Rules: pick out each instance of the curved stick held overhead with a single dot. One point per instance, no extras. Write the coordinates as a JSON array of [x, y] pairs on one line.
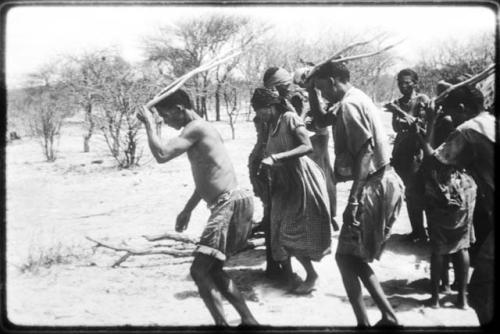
[[176, 84], [469, 82], [335, 59]]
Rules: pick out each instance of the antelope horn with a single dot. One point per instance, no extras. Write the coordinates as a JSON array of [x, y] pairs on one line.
[[180, 81], [469, 82]]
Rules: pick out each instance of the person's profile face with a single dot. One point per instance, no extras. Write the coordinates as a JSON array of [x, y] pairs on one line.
[[406, 85], [282, 89], [328, 89], [172, 116]]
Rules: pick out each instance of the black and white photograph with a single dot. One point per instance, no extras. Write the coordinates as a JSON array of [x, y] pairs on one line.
[[263, 165]]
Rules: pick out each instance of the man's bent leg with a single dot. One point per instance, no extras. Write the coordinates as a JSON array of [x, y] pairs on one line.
[[352, 286], [200, 271], [231, 292], [372, 284]]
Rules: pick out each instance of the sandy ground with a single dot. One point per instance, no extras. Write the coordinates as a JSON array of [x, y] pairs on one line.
[[51, 207]]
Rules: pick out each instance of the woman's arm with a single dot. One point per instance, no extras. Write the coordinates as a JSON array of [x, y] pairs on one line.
[[304, 146]]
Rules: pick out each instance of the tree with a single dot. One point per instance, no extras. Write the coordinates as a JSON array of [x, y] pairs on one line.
[[182, 47], [453, 59], [83, 75], [48, 104], [122, 91]]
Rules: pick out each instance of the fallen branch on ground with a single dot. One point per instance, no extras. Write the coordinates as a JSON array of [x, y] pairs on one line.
[[136, 252], [163, 249], [171, 236]]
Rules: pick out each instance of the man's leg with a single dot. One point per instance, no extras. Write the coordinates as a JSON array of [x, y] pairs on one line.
[[201, 273], [416, 215], [273, 269], [230, 291], [445, 277], [461, 268], [436, 270], [372, 284], [349, 272]]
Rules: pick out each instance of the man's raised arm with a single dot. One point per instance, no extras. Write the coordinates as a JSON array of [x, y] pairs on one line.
[[164, 152]]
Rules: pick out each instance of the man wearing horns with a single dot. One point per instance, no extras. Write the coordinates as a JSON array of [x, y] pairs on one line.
[[376, 196], [231, 209]]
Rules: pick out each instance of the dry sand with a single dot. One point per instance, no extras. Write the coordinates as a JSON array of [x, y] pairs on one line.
[[51, 207]]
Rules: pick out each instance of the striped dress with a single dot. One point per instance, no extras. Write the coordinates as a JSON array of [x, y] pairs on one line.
[[300, 209]]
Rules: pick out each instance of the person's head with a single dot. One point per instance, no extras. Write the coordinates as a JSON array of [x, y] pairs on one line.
[[267, 104], [173, 109], [278, 78], [332, 80], [407, 81], [463, 103]]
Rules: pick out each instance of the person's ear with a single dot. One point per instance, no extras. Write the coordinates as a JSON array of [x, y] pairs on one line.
[[461, 107], [332, 82]]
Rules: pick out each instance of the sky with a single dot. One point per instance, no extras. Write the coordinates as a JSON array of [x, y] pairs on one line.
[[36, 35]]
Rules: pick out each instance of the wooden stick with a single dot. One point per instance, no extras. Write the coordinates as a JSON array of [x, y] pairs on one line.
[[340, 60], [178, 83], [171, 236], [352, 46], [173, 83], [469, 82], [130, 252]]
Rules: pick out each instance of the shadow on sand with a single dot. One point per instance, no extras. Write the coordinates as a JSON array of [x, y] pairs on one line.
[[398, 243], [245, 279]]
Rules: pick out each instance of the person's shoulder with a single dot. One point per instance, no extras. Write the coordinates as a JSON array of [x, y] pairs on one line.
[[198, 127]]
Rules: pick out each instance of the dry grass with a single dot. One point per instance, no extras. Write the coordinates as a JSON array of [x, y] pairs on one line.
[[47, 257]]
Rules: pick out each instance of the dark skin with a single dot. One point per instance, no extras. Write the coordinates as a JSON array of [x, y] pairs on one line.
[[213, 174], [460, 259], [352, 269], [271, 115]]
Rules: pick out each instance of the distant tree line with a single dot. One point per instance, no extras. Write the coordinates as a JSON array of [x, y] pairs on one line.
[[109, 90]]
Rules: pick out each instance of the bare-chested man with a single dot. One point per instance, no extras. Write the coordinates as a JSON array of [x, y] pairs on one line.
[[215, 180]]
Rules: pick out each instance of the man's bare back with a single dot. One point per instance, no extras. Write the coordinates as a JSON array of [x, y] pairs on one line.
[[212, 169]]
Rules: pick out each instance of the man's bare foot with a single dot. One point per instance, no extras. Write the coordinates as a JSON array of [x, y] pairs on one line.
[[388, 323], [461, 303], [293, 282], [248, 323], [307, 286], [432, 302]]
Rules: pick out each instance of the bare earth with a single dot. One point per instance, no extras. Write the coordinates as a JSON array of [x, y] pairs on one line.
[[52, 207]]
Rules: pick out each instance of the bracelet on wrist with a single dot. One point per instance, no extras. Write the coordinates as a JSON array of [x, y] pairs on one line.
[[353, 203]]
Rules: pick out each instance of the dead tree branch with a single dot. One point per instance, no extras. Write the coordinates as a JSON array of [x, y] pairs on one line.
[[138, 252]]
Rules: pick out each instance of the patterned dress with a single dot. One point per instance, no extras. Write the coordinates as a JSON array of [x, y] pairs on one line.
[[300, 210]]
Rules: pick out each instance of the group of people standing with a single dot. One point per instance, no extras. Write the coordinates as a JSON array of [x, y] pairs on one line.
[[291, 173]]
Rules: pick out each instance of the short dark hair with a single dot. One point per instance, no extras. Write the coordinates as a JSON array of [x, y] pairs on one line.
[[337, 71], [179, 97], [470, 97], [408, 72], [269, 73]]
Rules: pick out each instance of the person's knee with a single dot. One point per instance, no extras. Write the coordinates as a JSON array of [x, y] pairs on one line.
[[198, 272]]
